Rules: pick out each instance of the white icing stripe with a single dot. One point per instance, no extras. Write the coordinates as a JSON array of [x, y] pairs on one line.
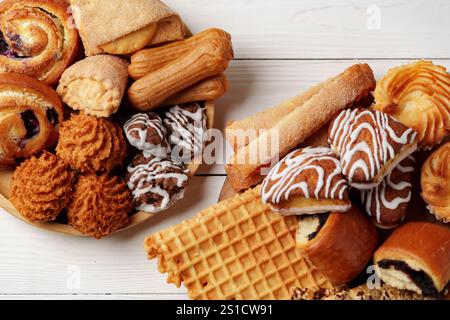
[[142, 124], [345, 135], [188, 130], [144, 180], [377, 197], [280, 183]]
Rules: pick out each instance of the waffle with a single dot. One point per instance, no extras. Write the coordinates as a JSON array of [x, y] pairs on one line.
[[237, 249]]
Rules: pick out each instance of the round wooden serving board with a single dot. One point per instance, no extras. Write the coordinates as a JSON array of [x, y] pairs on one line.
[[135, 219]]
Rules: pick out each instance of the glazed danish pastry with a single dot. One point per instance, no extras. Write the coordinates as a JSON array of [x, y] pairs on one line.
[[435, 183], [418, 95], [36, 38], [30, 114]]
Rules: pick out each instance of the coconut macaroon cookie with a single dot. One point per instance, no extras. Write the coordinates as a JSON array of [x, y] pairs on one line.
[[416, 257], [370, 144], [307, 181]]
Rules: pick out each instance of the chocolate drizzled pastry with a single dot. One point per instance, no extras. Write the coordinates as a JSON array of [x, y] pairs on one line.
[[307, 181], [41, 187], [370, 144], [186, 125], [387, 203], [156, 183], [146, 132]]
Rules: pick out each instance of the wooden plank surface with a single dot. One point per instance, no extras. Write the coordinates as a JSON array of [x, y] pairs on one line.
[[282, 47]]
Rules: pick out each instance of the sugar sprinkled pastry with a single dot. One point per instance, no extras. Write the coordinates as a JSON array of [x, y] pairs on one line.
[[370, 144], [306, 181], [156, 183], [187, 126], [146, 132], [435, 182], [418, 95], [387, 203]]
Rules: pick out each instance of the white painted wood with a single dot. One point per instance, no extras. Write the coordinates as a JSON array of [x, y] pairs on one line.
[[34, 261], [258, 85], [35, 264], [326, 29]]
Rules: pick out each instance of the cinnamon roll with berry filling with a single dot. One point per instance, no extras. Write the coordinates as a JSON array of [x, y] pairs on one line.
[[37, 38]]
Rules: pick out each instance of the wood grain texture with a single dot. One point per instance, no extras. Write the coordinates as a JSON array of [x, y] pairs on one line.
[[36, 264], [313, 29]]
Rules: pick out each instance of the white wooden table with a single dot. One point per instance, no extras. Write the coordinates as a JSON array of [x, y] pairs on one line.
[[282, 47]]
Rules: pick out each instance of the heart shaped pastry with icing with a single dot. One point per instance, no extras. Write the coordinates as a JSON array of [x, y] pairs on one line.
[[370, 144]]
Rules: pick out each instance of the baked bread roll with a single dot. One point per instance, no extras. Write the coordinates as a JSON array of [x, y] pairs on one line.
[[416, 257], [417, 95], [134, 25], [340, 245], [30, 115], [307, 181], [36, 38], [370, 144], [95, 85], [435, 182]]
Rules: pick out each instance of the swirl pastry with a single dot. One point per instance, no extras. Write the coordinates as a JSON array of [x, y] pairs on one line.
[[156, 184], [91, 145], [100, 205], [36, 38], [186, 126], [387, 203], [30, 114], [41, 187], [307, 181], [95, 85], [146, 132], [370, 144], [435, 182], [418, 95]]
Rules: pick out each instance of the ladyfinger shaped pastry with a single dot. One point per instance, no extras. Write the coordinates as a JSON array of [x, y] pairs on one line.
[[209, 58], [417, 95], [338, 244], [307, 181], [435, 181], [387, 203], [370, 144], [416, 257]]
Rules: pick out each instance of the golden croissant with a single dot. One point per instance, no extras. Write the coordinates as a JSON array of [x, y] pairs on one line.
[[418, 95]]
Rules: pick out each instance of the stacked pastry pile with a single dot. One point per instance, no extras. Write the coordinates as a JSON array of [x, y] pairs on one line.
[[84, 181], [361, 159]]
